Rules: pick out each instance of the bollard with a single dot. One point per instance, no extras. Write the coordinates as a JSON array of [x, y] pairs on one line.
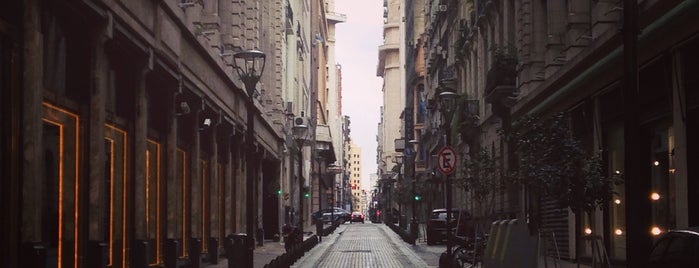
[[239, 247], [213, 250], [195, 252], [34, 255], [260, 237], [172, 247], [141, 254], [97, 254]]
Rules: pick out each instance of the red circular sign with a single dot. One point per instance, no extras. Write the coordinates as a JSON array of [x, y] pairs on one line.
[[446, 160]]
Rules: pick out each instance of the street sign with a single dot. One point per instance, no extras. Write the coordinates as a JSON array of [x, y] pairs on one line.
[[446, 160]]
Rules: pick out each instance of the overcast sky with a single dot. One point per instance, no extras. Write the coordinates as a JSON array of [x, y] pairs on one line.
[[357, 45]]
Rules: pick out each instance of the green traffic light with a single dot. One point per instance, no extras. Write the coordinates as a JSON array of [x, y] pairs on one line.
[[279, 192], [307, 195], [418, 198]]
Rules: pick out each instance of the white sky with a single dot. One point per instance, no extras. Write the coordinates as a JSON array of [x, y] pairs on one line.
[[356, 47]]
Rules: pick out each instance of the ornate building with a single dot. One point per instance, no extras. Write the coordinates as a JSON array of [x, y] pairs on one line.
[[125, 125], [620, 71]]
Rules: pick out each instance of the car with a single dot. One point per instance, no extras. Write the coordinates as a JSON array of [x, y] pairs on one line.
[[329, 215], [436, 229], [357, 217], [676, 248]]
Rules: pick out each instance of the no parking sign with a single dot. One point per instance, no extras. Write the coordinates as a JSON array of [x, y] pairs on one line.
[[446, 160]]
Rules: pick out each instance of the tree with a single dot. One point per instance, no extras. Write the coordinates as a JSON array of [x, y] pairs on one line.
[[552, 161]]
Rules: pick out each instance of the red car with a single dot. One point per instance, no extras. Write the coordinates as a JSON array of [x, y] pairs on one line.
[[357, 217]]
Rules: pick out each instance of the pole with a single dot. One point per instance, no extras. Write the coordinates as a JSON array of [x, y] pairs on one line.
[[638, 205], [413, 220], [301, 195], [447, 185], [250, 177], [319, 223]]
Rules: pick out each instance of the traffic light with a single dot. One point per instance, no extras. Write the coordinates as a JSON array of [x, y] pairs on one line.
[[306, 194], [279, 192], [418, 197]]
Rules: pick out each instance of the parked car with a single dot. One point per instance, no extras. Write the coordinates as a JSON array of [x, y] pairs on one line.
[[461, 225], [357, 217], [326, 215], [676, 248]]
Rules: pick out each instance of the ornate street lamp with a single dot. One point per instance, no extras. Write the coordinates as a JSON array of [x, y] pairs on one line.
[[447, 101], [250, 64], [300, 131]]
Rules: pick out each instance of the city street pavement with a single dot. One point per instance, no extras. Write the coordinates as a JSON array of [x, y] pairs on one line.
[[365, 245], [362, 245]]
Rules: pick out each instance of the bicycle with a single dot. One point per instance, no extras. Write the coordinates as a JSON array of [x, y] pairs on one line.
[[469, 253]]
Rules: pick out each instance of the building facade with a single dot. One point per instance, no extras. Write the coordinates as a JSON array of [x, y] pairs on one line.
[[620, 71], [126, 127]]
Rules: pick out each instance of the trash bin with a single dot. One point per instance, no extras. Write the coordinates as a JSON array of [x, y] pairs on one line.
[[237, 250]]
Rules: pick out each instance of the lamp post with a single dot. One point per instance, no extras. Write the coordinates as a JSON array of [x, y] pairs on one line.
[[300, 131], [410, 153], [246, 64], [447, 99], [399, 164]]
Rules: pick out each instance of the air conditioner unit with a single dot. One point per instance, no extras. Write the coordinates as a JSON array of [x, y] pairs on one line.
[[301, 121]]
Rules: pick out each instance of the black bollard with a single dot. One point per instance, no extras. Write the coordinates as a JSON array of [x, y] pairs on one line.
[[260, 237], [195, 253], [239, 250], [97, 254], [34, 255], [172, 249], [213, 250], [141, 254]]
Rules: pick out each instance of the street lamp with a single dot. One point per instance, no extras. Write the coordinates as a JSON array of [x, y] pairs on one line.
[[399, 164], [447, 100], [246, 64], [300, 131], [411, 153]]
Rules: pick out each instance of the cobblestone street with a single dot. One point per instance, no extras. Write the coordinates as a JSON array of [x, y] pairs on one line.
[[363, 245]]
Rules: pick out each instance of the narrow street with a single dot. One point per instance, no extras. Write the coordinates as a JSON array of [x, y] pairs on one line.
[[368, 245]]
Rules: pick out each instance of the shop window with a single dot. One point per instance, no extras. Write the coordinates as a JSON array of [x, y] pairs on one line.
[[663, 181], [115, 176], [204, 165], [153, 200], [181, 201], [616, 218], [59, 212]]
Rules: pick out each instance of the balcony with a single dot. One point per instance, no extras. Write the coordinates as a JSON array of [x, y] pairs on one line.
[[501, 80]]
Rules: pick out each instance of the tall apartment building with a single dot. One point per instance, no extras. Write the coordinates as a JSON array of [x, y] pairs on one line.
[[355, 175], [390, 68]]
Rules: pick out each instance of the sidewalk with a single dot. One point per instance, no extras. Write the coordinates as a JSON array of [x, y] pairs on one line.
[[264, 254]]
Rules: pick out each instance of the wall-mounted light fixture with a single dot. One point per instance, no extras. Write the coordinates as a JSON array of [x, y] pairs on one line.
[[205, 124], [182, 108], [442, 6]]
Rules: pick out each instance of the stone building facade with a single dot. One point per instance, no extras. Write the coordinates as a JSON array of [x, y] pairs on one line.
[[125, 124], [624, 72]]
